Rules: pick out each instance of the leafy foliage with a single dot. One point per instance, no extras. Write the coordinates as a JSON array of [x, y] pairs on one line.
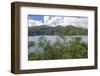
[[30, 44], [60, 49]]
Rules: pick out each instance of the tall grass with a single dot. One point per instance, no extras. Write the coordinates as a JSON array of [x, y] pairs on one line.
[[62, 48]]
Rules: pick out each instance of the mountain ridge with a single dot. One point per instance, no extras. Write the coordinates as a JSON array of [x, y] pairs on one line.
[[57, 30]]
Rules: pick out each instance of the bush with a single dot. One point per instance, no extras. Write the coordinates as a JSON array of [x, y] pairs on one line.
[[60, 49]]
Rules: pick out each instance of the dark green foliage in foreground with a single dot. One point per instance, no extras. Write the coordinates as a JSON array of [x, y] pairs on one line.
[[30, 44], [58, 30], [71, 49]]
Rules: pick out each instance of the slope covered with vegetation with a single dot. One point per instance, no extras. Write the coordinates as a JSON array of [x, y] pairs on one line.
[[57, 30]]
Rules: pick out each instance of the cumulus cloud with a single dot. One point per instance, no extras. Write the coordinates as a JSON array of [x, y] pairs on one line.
[[52, 20], [34, 23], [76, 21], [64, 21]]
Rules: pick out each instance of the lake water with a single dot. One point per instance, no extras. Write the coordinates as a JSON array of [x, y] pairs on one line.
[[51, 38]]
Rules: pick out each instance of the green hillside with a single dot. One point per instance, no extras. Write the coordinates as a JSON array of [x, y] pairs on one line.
[[58, 30]]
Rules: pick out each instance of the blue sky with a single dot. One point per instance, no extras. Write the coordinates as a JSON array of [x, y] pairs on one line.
[[35, 17]]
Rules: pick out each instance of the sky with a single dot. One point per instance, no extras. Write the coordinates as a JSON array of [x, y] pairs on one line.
[[38, 20], [35, 17]]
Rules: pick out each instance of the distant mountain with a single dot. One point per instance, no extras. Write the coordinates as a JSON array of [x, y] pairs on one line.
[[57, 30]]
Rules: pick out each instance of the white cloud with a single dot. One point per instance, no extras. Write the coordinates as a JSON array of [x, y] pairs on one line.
[[46, 20], [34, 23], [64, 21], [52, 20]]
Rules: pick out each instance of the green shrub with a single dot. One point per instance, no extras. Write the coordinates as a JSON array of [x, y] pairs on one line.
[[71, 49]]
